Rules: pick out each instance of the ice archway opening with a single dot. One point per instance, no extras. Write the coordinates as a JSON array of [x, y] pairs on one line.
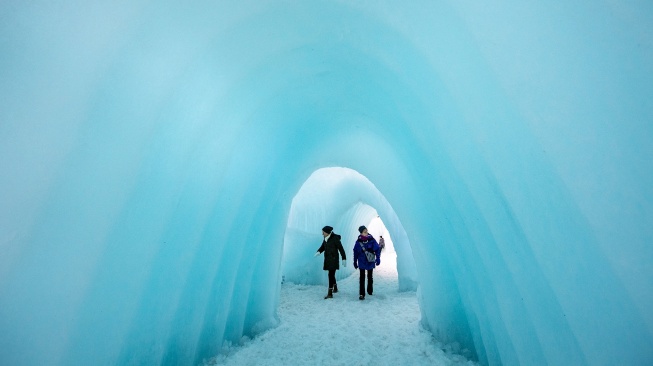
[[344, 199]]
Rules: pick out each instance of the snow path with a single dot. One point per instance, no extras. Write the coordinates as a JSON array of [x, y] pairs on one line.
[[315, 331]]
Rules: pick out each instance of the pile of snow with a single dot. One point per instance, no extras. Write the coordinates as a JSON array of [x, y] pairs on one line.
[[383, 329]]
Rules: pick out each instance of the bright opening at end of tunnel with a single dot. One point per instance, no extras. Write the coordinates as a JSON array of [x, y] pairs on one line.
[[343, 199]]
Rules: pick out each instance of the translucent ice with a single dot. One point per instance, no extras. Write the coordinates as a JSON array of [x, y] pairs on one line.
[[151, 152]]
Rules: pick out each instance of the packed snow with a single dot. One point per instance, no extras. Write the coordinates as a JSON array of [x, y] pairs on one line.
[[383, 329]]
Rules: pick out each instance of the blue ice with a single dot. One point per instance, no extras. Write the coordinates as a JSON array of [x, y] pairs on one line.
[[158, 160]]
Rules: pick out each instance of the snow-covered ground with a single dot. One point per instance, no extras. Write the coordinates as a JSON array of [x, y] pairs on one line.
[[383, 329]]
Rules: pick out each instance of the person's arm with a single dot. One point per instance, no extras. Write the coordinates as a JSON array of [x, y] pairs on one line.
[[320, 250], [375, 246], [341, 250], [355, 256], [377, 251]]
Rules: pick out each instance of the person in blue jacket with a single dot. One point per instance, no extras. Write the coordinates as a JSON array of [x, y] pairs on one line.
[[366, 243]]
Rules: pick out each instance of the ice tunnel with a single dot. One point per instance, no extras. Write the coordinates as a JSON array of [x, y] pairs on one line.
[[345, 199], [150, 153]]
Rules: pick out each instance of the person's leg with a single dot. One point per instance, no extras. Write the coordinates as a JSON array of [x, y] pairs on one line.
[[370, 281], [332, 279], [361, 288], [330, 292]]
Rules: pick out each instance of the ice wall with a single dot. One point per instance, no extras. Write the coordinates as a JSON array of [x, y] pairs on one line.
[[150, 153]]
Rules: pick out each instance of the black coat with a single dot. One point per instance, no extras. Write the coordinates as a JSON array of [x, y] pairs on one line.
[[331, 249]]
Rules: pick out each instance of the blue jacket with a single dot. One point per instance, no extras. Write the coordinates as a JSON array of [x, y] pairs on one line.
[[370, 244]]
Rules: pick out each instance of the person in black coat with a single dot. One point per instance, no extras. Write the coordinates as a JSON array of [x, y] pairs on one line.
[[331, 246]]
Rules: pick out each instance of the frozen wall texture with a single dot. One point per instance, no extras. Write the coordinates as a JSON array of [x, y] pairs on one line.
[[150, 153]]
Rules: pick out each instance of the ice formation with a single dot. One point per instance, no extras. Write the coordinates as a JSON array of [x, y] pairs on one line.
[[151, 152]]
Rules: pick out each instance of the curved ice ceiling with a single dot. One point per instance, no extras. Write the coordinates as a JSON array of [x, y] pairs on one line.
[[150, 153]]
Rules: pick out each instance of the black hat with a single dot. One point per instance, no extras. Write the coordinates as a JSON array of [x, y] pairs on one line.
[[327, 229], [360, 229]]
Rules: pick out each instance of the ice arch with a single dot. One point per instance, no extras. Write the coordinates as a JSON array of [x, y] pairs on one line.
[[150, 152], [344, 199]]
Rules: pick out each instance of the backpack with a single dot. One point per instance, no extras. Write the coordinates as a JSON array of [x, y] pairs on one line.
[[371, 256]]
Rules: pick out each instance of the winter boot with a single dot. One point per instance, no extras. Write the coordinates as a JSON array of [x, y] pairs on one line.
[[361, 297], [330, 294], [335, 288]]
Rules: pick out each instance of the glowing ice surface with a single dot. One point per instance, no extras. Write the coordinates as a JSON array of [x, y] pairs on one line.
[[151, 151]]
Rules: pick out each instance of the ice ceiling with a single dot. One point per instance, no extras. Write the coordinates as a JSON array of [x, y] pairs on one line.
[[150, 153]]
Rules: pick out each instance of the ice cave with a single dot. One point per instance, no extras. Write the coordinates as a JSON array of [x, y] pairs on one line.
[[166, 165]]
